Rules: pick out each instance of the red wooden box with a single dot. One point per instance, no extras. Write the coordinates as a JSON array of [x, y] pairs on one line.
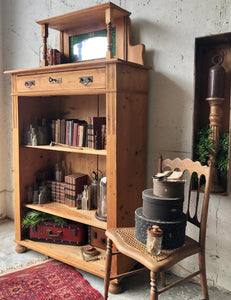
[[72, 233]]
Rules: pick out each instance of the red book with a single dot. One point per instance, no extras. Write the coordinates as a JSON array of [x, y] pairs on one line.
[[75, 135]]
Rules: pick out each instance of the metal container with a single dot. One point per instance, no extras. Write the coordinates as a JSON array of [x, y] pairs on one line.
[[168, 189], [159, 208]]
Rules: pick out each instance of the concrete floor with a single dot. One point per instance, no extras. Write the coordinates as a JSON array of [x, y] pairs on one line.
[[135, 287]]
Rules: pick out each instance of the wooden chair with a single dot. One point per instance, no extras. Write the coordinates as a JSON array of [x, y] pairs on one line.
[[124, 239]]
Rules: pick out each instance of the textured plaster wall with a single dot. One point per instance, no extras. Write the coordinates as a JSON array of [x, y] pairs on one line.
[[2, 125], [168, 29]]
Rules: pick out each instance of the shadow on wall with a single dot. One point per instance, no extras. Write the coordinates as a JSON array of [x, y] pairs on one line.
[[169, 121], [170, 106]]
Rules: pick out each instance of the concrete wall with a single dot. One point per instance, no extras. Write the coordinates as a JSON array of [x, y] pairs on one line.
[[168, 29]]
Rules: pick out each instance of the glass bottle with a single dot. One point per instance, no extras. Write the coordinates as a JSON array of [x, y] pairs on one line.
[[85, 200], [79, 201], [102, 200], [96, 176], [154, 240]]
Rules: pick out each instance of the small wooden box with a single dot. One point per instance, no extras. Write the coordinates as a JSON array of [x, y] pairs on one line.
[[97, 237]]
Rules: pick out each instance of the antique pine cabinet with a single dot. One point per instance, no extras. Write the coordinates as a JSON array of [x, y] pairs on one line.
[[119, 93]]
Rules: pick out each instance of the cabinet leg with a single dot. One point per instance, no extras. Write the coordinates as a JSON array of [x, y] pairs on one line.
[[20, 249], [115, 287]]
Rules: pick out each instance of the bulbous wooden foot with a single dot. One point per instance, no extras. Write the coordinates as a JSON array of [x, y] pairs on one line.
[[20, 249], [115, 287]]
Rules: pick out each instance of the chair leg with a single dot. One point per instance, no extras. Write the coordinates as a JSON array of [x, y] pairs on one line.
[[203, 277], [153, 283], [107, 268]]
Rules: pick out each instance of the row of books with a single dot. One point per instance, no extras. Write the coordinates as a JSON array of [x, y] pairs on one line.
[[80, 133], [66, 192]]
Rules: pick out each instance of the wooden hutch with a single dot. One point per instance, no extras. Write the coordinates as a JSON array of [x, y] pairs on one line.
[[118, 91]]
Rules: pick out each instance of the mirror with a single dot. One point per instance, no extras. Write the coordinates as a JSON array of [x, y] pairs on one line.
[[90, 46]]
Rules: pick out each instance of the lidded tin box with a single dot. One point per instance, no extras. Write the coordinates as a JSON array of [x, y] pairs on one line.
[[169, 184], [159, 208]]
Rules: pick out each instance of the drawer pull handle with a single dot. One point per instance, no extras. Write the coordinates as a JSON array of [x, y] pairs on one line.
[[85, 80], [54, 235], [55, 80], [29, 83]]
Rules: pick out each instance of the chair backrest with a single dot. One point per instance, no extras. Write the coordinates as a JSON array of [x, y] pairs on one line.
[[199, 182]]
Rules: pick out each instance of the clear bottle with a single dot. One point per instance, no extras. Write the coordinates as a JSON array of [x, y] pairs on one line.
[[79, 201], [96, 176], [85, 200], [102, 200], [94, 189], [35, 197], [154, 240]]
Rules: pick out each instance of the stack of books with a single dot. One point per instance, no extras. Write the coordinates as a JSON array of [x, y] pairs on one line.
[[74, 185], [56, 191]]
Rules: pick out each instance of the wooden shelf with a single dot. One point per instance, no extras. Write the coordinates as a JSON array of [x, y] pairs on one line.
[[80, 18], [82, 150], [68, 254], [64, 211]]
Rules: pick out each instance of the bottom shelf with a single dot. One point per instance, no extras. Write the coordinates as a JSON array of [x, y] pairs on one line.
[[70, 255]]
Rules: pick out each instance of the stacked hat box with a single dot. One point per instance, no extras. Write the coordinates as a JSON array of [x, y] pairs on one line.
[[162, 206]]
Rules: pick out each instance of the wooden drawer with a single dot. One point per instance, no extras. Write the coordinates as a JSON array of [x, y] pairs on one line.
[[81, 80]]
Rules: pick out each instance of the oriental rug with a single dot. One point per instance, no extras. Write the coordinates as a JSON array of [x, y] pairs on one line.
[[50, 280]]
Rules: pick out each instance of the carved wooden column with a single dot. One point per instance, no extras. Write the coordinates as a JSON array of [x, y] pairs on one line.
[[108, 21], [215, 118], [216, 81], [44, 34]]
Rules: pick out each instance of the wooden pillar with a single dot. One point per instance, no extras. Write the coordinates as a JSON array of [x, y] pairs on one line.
[[215, 118], [44, 34], [108, 21]]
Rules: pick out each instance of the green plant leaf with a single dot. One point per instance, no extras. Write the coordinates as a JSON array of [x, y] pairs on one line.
[[33, 217], [203, 145]]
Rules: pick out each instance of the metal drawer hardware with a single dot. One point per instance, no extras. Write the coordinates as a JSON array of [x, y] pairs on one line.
[[29, 83], [54, 235], [55, 80], [85, 80]]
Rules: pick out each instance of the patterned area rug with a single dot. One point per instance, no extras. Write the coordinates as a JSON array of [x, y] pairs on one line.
[[51, 280]]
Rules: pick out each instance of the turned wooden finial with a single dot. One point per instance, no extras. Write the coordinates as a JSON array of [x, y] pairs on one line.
[[108, 21], [44, 34]]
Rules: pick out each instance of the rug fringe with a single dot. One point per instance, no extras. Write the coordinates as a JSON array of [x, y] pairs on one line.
[[26, 265]]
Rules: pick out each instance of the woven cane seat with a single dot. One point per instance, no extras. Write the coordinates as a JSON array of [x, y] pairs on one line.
[[125, 241]]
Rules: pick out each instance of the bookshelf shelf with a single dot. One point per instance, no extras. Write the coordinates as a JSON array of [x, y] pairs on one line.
[[82, 150], [64, 211], [68, 254]]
